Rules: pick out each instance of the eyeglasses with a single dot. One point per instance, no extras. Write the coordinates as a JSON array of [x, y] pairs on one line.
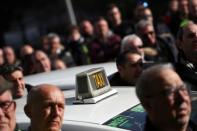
[[5, 106], [192, 35], [171, 92]]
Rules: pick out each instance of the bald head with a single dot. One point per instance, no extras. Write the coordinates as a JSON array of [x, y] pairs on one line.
[[40, 91], [49, 101]]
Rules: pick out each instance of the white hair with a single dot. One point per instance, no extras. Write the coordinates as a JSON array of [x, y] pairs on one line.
[[125, 41]]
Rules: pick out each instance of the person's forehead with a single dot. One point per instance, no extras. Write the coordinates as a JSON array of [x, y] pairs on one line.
[[191, 28], [102, 23], [167, 78], [16, 74], [114, 10], [193, 2], [86, 24], [5, 96], [52, 96], [147, 12], [40, 55], [148, 28], [133, 57], [135, 42]]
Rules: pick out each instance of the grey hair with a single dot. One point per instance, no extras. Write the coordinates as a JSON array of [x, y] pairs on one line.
[[144, 84], [142, 24], [52, 36], [126, 39]]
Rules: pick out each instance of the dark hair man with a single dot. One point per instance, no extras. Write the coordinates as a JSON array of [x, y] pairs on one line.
[[117, 24], [14, 74], [129, 66], [45, 108], [187, 58], [166, 99]]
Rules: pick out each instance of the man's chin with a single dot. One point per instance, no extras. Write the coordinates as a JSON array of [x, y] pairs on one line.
[[18, 95], [181, 120]]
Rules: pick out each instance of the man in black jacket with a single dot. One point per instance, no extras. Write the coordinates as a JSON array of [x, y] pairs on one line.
[[166, 100], [187, 59], [129, 64]]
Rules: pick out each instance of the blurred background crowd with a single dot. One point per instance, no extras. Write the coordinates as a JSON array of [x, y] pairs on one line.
[[94, 38]]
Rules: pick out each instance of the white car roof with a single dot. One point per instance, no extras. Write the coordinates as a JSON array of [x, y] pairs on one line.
[[82, 115], [87, 117], [65, 79], [90, 113]]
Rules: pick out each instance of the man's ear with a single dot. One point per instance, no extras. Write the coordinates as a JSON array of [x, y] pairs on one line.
[[27, 111]]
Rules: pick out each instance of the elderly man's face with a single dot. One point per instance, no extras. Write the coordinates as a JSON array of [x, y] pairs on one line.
[[189, 41], [7, 112], [48, 112], [18, 82], [135, 44], [170, 103], [132, 69]]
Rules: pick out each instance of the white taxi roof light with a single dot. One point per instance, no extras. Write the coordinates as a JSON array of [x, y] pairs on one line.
[[92, 86]]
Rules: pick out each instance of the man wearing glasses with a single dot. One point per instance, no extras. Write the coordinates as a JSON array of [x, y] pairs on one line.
[[166, 100], [7, 107], [129, 64], [163, 46]]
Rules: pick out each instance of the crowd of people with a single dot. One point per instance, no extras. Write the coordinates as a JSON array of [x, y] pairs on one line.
[[101, 40], [141, 47]]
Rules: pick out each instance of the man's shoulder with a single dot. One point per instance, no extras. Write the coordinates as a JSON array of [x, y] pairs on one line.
[[187, 74], [114, 78], [192, 126]]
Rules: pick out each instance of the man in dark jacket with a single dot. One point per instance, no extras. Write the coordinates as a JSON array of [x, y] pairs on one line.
[[187, 59], [129, 66], [166, 100]]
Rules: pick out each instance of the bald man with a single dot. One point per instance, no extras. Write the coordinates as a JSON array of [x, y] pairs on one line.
[[45, 108]]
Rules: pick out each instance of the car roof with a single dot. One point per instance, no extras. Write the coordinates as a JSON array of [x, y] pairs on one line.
[[90, 113], [65, 79]]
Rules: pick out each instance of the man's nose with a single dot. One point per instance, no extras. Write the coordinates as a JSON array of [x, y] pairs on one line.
[[56, 110], [180, 97], [1, 112]]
